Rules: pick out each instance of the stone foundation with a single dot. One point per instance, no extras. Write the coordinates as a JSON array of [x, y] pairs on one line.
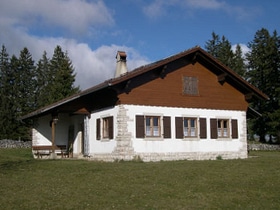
[[154, 157]]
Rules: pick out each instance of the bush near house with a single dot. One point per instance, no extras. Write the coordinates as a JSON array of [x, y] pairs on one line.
[[250, 183]]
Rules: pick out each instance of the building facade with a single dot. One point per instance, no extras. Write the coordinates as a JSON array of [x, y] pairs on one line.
[[187, 106]]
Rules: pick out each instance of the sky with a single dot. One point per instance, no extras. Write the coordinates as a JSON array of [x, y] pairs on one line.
[[92, 31]]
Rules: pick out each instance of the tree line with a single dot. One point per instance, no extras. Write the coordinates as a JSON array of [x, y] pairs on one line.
[[26, 86], [260, 67]]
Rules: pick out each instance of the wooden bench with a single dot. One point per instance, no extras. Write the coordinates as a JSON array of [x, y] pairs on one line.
[[41, 150]]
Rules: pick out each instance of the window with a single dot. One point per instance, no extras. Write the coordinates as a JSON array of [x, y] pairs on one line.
[[190, 85], [104, 128], [152, 126], [223, 128], [190, 127]]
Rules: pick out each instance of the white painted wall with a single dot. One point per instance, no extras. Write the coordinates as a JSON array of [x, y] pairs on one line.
[[103, 145], [171, 145], [42, 131], [186, 145]]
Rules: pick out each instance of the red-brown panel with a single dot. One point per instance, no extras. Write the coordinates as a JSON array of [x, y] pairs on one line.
[[169, 91]]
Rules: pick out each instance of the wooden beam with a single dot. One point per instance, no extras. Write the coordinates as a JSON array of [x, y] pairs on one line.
[[127, 87], [222, 78], [249, 96], [82, 111], [163, 72], [194, 58]]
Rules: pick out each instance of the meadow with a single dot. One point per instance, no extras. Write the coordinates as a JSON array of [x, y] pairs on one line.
[[26, 183]]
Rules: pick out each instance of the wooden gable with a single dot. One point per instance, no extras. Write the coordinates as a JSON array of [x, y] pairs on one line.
[[162, 84], [169, 91]]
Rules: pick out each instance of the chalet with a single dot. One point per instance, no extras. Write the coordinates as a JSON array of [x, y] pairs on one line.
[[186, 106]]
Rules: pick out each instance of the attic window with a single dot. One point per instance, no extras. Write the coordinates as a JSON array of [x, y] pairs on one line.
[[190, 86]]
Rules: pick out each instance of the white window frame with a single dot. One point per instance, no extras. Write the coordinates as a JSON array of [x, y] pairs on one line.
[[223, 132], [105, 127], [158, 136], [189, 130]]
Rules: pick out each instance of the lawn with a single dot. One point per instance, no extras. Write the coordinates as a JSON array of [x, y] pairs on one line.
[[26, 183]]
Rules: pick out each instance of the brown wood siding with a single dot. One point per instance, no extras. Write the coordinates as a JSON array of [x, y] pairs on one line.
[[179, 127], [213, 128], [140, 126], [203, 128], [166, 127], [98, 132], [111, 127], [234, 127], [169, 91]]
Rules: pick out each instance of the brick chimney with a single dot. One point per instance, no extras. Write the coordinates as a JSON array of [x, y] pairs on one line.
[[121, 64]]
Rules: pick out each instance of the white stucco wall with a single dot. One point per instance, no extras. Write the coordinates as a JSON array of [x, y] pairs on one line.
[[228, 148], [103, 145], [42, 131], [190, 145], [125, 145]]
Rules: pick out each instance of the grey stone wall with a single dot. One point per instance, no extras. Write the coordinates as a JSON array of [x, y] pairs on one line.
[[267, 147], [6, 143]]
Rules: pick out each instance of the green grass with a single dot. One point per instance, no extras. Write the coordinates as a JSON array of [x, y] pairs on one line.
[[26, 183]]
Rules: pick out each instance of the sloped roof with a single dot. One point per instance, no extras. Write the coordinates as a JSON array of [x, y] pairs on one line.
[[73, 103]]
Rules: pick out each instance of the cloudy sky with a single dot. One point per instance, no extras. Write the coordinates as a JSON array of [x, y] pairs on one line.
[[148, 30]]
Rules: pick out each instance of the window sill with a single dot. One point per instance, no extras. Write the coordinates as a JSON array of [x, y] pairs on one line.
[[153, 139], [224, 139], [191, 138], [105, 140]]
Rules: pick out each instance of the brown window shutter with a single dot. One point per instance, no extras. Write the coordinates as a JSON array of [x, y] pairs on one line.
[[179, 127], [111, 127], [167, 127], [140, 126], [214, 130], [203, 128], [98, 137], [234, 127]]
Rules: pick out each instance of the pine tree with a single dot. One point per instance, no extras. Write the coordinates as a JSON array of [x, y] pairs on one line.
[[224, 53], [238, 64], [44, 78], [63, 76], [222, 50], [212, 45], [24, 87], [5, 114], [23, 92], [263, 72]]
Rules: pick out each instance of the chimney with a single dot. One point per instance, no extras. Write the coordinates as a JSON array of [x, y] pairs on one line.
[[121, 64]]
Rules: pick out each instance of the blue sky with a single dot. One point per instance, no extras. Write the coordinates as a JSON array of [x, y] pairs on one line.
[[93, 31]]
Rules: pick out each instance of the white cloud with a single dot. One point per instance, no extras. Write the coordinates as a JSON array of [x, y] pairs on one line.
[[73, 15], [204, 4], [91, 65], [159, 8], [244, 48], [19, 18], [96, 66]]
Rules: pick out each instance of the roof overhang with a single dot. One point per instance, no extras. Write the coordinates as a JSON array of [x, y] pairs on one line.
[[126, 82]]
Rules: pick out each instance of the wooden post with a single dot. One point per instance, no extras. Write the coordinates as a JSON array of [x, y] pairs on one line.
[[54, 121], [53, 138]]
